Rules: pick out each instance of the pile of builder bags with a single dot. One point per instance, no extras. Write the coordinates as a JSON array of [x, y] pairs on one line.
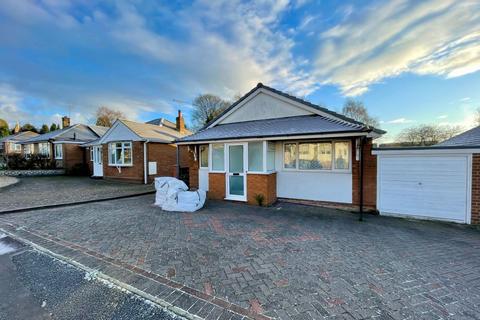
[[173, 195]]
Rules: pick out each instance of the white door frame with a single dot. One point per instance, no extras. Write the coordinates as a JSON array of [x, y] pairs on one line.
[[243, 174], [97, 161]]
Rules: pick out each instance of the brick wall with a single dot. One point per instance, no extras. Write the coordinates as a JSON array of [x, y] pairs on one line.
[[133, 173], [265, 184], [216, 186], [165, 155], [187, 160], [476, 189], [88, 160], [73, 155], [369, 176]]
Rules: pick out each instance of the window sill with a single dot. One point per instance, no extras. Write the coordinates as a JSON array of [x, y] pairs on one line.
[[120, 165], [317, 171]]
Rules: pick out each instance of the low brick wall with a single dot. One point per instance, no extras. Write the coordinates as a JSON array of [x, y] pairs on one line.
[[216, 186], [264, 184], [32, 173]]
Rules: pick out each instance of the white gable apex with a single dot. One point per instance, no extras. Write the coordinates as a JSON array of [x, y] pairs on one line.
[[264, 105], [119, 132]]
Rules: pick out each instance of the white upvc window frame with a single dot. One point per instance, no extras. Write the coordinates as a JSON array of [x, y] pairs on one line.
[[123, 148], [91, 154], [41, 151], [16, 147], [210, 158], [200, 156], [55, 154], [332, 169]]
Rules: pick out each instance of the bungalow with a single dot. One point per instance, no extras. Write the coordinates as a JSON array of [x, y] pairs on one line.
[[272, 145], [12, 144], [139, 152], [64, 145]]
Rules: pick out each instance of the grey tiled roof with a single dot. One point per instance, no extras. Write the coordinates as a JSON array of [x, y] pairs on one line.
[[470, 138], [18, 137], [291, 126], [76, 132]]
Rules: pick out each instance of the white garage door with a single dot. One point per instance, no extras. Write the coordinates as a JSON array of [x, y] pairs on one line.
[[424, 186]]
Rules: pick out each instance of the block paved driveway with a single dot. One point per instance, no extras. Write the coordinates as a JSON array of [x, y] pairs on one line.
[[288, 261], [41, 191]]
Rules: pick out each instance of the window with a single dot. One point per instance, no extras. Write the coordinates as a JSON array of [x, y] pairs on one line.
[[27, 150], [342, 158], [218, 158], [91, 154], [322, 155], [120, 153], [58, 151], [17, 147], [315, 156], [204, 156], [255, 156], [44, 148], [270, 156], [290, 156]]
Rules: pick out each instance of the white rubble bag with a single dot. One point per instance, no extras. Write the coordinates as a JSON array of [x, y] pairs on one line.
[[167, 187], [172, 195], [185, 201]]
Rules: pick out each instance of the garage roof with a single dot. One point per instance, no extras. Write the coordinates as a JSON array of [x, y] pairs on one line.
[[470, 138]]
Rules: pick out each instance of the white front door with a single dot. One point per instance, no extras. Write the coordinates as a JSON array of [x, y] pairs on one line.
[[97, 161], [236, 171]]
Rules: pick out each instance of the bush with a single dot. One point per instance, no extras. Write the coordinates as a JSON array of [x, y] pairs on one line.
[[260, 198], [33, 162]]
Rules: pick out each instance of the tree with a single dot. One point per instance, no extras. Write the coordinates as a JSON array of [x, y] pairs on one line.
[[4, 130], [207, 107], [28, 127], [44, 129], [356, 110], [427, 134], [53, 127], [106, 116]]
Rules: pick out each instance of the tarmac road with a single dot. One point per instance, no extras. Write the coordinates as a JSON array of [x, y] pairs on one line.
[[36, 286]]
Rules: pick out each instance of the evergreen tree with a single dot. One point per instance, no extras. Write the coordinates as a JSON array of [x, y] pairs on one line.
[[44, 129]]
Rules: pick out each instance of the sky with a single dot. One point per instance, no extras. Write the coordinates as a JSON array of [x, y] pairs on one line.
[[409, 62]]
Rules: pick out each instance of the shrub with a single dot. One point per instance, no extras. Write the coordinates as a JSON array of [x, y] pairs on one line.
[[260, 198], [33, 162]]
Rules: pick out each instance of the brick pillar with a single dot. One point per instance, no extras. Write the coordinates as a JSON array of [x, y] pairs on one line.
[[216, 186], [476, 189], [264, 184], [369, 176]]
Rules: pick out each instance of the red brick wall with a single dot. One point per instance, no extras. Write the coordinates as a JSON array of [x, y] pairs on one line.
[[265, 184], [133, 173], [88, 160], [165, 155], [73, 155], [369, 176], [476, 189], [187, 160], [216, 186]]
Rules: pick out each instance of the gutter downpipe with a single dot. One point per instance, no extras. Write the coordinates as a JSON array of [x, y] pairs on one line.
[[145, 177], [177, 168], [362, 141]]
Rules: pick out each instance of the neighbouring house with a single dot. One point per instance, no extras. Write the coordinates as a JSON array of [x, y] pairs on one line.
[[440, 182], [64, 145], [139, 152], [273, 145], [12, 144]]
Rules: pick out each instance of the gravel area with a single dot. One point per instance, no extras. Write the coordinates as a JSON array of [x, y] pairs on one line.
[[41, 191]]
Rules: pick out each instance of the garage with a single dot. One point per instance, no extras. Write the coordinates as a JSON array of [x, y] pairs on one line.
[[428, 183]]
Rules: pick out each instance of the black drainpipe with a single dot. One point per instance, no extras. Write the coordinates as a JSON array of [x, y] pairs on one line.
[[362, 141]]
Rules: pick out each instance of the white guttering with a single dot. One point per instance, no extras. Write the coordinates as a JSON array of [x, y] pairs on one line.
[[436, 150], [145, 168]]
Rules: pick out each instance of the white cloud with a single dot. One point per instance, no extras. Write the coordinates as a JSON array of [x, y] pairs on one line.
[[465, 99], [443, 116], [395, 37], [400, 121]]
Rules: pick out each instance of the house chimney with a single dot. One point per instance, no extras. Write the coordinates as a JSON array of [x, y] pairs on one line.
[[65, 122], [180, 122]]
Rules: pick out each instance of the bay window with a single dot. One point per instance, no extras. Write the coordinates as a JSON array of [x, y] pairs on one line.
[[58, 151], [120, 153], [317, 155], [218, 157]]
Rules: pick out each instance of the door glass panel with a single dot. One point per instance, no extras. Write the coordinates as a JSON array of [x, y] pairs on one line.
[[236, 185], [235, 159]]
